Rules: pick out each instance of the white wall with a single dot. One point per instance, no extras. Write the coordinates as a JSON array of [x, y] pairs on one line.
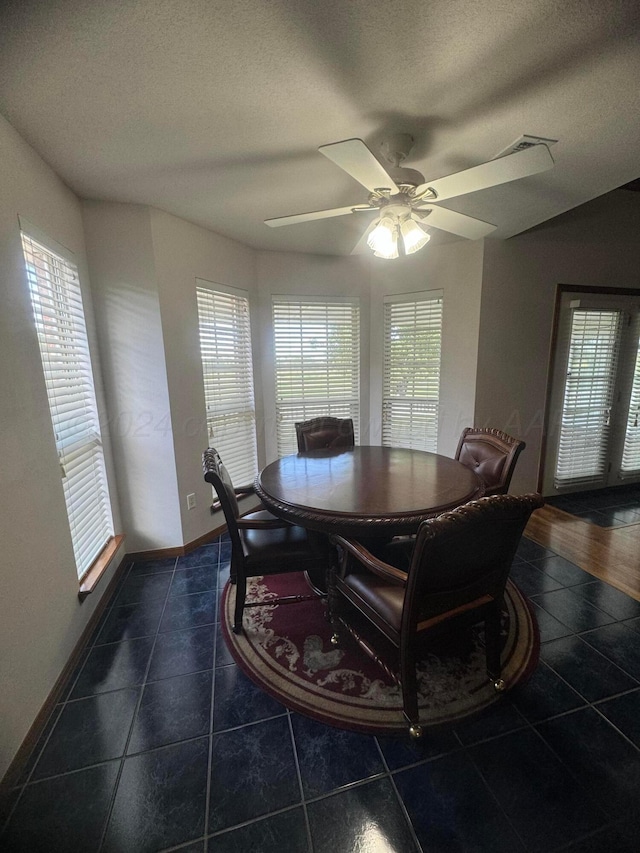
[[595, 246], [127, 303], [41, 618]]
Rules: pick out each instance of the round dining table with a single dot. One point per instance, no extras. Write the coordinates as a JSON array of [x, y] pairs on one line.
[[365, 492]]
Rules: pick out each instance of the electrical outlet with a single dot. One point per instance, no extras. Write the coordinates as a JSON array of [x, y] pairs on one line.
[[191, 501]]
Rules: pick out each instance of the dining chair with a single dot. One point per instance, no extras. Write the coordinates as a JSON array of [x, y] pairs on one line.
[[458, 568], [324, 432], [261, 543], [492, 454]]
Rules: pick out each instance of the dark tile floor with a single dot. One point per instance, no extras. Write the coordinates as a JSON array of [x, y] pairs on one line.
[[612, 507], [160, 743]]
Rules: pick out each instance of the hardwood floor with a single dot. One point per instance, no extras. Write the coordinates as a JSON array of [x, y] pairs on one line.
[[609, 553]]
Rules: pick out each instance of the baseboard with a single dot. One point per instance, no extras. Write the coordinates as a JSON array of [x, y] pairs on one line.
[[180, 550]]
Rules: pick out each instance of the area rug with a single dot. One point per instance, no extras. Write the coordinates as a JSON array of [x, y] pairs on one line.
[[286, 650]]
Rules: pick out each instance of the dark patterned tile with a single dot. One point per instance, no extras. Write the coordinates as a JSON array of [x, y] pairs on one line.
[[620, 837], [370, 818], [572, 610], [143, 588], [624, 713], [452, 810], [152, 567], [253, 773], [497, 719], [531, 580], [66, 814], [196, 579], [549, 627], [588, 672], [609, 599], [544, 695], [530, 550], [330, 758], [207, 555], [402, 751], [189, 611], [634, 624], [37, 750], [603, 518], [113, 666], [223, 655], [606, 764], [173, 709], [563, 571], [282, 832], [160, 799], [618, 643], [538, 794], [237, 700], [180, 652], [194, 847], [88, 731], [131, 621]]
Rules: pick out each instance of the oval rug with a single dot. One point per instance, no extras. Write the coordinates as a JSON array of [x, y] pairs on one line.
[[286, 650]]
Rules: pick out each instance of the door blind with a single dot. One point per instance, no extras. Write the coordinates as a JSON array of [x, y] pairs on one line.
[[630, 466], [64, 349], [225, 346], [588, 397], [411, 378], [317, 363]]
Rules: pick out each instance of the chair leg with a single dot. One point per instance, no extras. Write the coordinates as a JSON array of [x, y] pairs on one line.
[[409, 687], [492, 644], [241, 593]]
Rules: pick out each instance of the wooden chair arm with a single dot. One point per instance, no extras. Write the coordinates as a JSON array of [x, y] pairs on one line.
[[366, 558]]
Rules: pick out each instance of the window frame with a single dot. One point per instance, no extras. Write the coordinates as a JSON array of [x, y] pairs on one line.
[[59, 315], [415, 411], [343, 399], [232, 302]]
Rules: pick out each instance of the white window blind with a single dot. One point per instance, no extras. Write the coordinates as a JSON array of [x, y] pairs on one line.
[[631, 454], [588, 397], [411, 379], [317, 363], [225, 346], [59, 318]]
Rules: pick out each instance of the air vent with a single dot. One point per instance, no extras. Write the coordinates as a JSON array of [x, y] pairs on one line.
[[523, 142]]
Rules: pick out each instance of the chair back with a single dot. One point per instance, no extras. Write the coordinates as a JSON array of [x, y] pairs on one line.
[[492, 454], [465, 554], [325, 432], [217, 476]]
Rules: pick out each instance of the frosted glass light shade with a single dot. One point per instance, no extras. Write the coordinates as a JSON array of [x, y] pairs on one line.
[[413, 236], [384, 239]]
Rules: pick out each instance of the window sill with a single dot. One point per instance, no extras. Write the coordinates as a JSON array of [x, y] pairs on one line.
[[99, 566]]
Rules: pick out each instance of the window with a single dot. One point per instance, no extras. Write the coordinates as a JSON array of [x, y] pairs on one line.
[[225, 346], [64, 349], [411, 377], [317, 362]]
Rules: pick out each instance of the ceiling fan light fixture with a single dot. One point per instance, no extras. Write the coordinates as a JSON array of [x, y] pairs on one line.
[[384, 239], [413, 236]]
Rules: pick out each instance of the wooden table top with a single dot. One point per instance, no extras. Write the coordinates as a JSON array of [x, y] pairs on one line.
[[360, 489]]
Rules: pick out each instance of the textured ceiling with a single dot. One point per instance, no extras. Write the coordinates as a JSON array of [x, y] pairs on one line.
[[214, 109]]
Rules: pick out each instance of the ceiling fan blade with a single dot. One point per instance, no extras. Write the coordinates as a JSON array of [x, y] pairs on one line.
[[456, 223], [520, 164], [316, 214], [354, 157]]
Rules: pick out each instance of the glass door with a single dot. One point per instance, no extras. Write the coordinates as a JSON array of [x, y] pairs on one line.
[[593, 436]]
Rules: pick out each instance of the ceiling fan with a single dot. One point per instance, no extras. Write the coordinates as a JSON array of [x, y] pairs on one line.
[[404, 201]]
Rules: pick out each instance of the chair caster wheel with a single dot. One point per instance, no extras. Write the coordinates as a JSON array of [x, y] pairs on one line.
[[335, 640], [499, 685], [415, 731]]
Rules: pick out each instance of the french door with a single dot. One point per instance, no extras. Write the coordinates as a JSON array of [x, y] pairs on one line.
[[593, 436]]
